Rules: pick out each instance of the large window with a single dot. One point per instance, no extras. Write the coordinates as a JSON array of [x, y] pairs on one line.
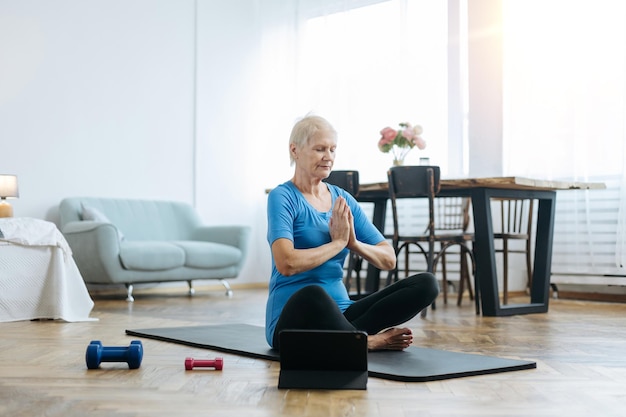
[[565, 97], [564, 117]]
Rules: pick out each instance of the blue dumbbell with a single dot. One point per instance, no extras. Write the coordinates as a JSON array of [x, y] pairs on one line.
[[96, 353]]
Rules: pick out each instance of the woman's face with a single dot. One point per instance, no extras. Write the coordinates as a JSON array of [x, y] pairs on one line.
[[316, 157]]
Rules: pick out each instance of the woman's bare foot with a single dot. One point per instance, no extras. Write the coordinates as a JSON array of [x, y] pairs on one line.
[[390, 339]]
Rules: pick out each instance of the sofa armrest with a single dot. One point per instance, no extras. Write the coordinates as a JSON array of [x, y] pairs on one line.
[[237, 236], [81, 226], [95, 247]]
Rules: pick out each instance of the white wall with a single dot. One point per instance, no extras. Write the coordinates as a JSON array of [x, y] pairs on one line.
[[96, 98], [131, 99]]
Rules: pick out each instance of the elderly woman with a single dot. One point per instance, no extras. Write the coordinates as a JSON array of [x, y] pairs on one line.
[[312, 226]]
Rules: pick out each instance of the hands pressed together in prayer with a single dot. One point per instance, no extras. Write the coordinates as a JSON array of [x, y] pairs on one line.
[[342, 223]]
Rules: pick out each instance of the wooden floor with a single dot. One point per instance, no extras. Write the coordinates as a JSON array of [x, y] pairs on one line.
[[579, 347]]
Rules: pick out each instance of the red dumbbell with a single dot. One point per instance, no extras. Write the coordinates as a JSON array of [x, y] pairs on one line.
[[217, 363]]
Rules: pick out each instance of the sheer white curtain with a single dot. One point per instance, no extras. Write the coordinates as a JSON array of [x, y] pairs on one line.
[[370, 67], [565, 106], [363, 65]]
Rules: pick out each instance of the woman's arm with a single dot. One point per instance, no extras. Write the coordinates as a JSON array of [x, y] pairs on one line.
[[382, 255], [291, 261]]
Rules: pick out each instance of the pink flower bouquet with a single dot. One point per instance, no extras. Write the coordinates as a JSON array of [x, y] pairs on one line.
[[400, 142]]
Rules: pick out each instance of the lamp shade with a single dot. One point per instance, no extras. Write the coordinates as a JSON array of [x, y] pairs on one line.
[[8, 186]]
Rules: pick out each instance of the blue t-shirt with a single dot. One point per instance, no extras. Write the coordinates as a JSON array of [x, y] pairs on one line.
[[291, 216]]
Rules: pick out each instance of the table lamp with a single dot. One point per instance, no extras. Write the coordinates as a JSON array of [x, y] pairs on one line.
[[8, 189]]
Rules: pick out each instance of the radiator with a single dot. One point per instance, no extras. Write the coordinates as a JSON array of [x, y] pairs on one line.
[[586, 236]]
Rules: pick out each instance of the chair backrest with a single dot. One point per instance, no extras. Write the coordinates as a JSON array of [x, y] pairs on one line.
[[419, 181], [348, 180], [413, 181], [515, 215], [445, 213], [452, 213]]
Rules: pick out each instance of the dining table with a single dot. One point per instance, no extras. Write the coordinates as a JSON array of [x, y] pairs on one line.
[[480, 191]]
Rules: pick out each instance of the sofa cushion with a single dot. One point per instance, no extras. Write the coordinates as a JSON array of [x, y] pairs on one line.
[[208, 254], [150, 255]]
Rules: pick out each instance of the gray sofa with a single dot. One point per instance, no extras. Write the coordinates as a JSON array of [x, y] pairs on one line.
[[128, 241]]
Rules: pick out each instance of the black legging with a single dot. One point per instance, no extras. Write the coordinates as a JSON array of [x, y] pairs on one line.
[[311, 308]]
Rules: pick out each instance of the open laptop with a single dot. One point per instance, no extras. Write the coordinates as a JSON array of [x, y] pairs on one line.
[[323, 359]]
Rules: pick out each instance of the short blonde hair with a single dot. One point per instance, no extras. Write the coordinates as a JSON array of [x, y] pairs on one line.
[[306, 128]]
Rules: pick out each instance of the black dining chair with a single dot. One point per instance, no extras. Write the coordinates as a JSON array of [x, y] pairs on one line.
[[452, 215], [349, 181], [422, 183]]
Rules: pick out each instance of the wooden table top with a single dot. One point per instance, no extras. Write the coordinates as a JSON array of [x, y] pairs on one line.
[[518, 183]]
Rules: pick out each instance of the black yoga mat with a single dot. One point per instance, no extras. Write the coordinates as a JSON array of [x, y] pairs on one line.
[[414, 364]]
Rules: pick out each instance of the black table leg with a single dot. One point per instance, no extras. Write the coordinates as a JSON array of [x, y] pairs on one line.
[[485, 253]]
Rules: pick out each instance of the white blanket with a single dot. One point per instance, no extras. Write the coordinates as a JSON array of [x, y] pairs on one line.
[[38, 276], [32, 232]]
